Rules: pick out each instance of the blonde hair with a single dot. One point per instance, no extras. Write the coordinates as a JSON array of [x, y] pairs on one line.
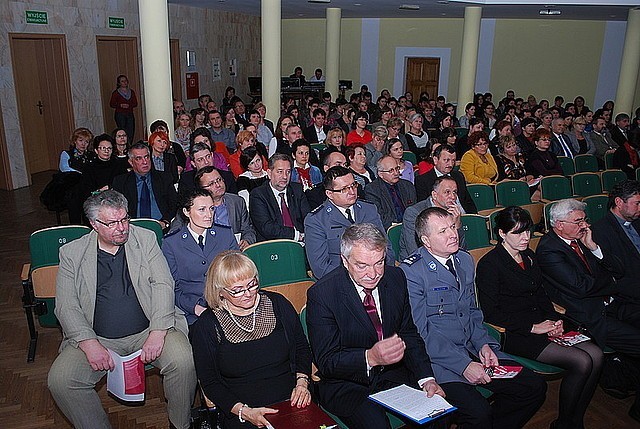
[[225, 269], [331, 133], [84, 133], [242, 136]]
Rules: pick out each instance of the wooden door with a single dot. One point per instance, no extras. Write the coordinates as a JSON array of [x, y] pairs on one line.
[[422, 75], [176, 74], [116, 56], [5, 172], [43, 89]]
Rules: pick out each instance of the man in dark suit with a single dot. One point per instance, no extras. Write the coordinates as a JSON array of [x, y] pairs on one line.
[[317, 132], [278, 207], [444, 159], [150, 193], [201, 157], [361, 332], [230, 209], [241, 112], [440, 281], [618, 233], [620, 131], [391, 194], [581, 276], [324, 226], [330, 158], [560, 143]]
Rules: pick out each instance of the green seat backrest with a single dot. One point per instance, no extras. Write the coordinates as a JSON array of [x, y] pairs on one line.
[[150, 224], [555, 188], [394, 232], [512, 193], [44, 245], [566, 163], [475, 229], [585, 163], [608, 160], [407, 155], [611, 178], [278, 261], [596, 207], [585, 184], [482, 195]]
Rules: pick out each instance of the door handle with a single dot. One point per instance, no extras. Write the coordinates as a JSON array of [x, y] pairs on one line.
[[40, 106]]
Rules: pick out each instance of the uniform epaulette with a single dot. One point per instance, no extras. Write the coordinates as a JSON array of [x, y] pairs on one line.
[[219, 225], [317, 209], [174, 232], [412, 259]]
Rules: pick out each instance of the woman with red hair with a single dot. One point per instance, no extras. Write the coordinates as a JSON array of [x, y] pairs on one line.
[[163, 160]]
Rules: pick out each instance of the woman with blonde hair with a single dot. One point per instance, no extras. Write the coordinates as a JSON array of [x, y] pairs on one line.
[[249, 347]]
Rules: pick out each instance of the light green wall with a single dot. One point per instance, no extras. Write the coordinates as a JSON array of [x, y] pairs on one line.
[[547, 58], [304, 41], [431, 33]]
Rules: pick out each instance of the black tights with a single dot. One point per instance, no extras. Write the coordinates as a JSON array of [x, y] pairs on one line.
[[582, 364]]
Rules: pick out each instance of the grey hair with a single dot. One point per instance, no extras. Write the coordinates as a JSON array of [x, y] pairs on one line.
[[381, 131], [280, 157], [414, 117], [139, 145], [422, 221], [109, 198], [562, 209], [362, 233]]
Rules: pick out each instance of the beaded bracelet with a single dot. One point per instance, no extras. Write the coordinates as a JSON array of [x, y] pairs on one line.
[[240, 413]]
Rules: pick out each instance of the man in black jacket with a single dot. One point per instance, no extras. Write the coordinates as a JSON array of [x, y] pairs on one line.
[[444, 159]]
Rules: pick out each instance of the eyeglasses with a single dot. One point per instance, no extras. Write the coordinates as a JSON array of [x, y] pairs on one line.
[[213, 182], [391, 170], [577, 221], [346, 189], [105, 148], [481, 144], [112, 224], [251, 286]]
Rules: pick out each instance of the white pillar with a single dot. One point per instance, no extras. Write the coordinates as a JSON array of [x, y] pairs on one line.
[[156, 63], [271, 57], [332, 62], [469, 58], [630, 64]]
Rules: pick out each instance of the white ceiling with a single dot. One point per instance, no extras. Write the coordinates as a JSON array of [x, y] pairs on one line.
[[613, 10]]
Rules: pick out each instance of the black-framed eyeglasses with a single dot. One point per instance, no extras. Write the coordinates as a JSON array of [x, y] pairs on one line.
[[391, 170], [251, 286], [112, 224], [345, 189]]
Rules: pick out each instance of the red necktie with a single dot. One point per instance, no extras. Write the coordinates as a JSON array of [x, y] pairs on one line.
[[286, 215], [370, 307], [576, 248]]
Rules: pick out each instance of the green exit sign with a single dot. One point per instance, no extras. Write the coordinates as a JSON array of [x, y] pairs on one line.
[[36, 17], [116, 22]]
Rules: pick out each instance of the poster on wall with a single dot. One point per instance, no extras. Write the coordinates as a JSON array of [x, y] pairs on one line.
[[215, 65], [193, 85]]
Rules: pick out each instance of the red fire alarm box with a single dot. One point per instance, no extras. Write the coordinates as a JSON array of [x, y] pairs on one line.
[[193, 86]]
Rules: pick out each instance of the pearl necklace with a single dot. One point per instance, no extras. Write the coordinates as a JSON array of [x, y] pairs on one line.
[[253, 319]]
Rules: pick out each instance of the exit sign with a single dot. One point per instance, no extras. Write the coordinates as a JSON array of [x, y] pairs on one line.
[[116, 22], [36, 17]]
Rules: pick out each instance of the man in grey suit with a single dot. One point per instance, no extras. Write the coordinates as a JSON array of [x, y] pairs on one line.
[[391, 194], [114, 292], [230, 209], [560, 142], [324, 226], [443, 195], [441, 287], [602, 140]]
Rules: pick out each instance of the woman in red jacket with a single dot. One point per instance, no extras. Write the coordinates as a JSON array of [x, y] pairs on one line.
[[123, 99]]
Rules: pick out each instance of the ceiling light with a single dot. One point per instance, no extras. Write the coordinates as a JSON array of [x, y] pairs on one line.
[[549, 12], [409, 7], [319, 1]]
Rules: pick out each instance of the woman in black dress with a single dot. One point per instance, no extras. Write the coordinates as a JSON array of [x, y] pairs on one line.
[[543, 162], [249, 347], [511, 295]]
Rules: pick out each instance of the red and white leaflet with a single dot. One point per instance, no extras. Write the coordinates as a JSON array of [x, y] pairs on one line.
[[127, 380], [570, 338], [505, 371]]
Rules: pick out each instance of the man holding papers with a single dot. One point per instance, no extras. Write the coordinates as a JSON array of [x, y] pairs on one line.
[[361, 332], [114, 292], [441, 291]]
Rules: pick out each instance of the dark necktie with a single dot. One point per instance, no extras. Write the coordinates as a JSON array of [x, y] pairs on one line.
[[145, 199], [372, 312], [632, 234], [349, 217], [201, 242], [576, 248], [452, 270], [286, 215], [397, 203]]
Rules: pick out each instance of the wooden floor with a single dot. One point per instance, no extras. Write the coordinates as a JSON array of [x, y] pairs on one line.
[[25, 401]]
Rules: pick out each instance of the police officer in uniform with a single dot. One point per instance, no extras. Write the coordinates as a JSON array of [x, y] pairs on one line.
[[327, 222], [190, 250]]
